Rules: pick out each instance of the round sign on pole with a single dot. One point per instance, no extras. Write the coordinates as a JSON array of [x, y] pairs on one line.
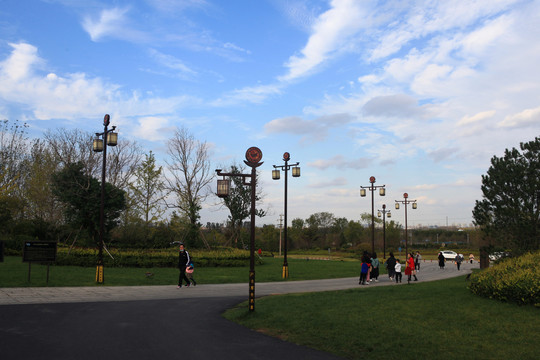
[[286, 156], [253, 155], [405, 195], [372, 179]]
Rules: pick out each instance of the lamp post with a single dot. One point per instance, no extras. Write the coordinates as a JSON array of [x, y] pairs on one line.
[[384, 212], [382, 192], [253, 158], [109, 138], [275, 176], [414, 206]]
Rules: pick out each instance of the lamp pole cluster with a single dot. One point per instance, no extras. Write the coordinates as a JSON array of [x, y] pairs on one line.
[[384, 212], [275, 175], [382, 192], [253, 160], [108, 138], [414, 206]]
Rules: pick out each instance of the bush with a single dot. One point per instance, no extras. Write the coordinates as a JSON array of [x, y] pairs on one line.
[[152, 258], [512, 280]]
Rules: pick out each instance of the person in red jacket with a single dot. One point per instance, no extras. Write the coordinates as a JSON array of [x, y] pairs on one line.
[[410, 269]]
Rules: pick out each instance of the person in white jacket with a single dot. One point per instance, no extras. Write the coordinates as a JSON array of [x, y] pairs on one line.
[[398, 271]]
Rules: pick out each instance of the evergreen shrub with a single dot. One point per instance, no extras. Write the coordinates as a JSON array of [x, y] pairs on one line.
[[511, 280]]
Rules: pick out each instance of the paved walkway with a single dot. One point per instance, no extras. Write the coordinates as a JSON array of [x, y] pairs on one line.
[[154, 322], [35, 295]]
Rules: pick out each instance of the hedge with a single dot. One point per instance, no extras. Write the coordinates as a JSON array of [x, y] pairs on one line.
[[511, 280], [153, 258]]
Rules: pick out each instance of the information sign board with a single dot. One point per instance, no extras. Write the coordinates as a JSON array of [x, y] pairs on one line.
[[39, 251]]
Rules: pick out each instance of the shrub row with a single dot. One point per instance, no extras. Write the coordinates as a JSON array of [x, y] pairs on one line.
[[512, 280], [152, 258]]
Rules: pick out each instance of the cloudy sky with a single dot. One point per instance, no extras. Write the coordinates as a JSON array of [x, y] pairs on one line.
[[419, 94]]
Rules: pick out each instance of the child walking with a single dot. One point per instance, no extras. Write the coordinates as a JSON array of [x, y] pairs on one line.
[[363, 273], [189, 274], [398, 271]]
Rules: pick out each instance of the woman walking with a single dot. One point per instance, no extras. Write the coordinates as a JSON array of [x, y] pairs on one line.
[[410, 269], [374, 267], [441, 260]]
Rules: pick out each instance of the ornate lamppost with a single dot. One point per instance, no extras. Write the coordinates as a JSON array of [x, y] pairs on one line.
[[109, 138], [275, 175], [253, 158], [414, 206], [382, 192], [384, 212]]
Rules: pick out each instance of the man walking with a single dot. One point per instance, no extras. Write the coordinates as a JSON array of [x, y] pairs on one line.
[[183, 263]]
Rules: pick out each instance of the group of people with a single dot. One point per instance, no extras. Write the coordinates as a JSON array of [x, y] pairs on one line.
[[370, 268], [458, 260]]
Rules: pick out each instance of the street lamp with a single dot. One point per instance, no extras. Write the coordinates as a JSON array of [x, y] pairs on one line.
[[253, 158], [382, 192], [414, 206], [109, 138], [275, 176], [384, 212]]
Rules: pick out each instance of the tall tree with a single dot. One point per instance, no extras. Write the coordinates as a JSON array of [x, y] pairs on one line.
[[81, 195], [239, 202], [13, 152], [148, 190], [40, 165], [509, 208], [190, 177]]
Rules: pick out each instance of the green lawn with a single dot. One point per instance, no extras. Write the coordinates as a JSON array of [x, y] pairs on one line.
[[434, 320], [14, 273]]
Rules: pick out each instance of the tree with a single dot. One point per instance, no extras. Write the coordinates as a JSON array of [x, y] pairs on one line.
[[509, 210], [40, 204], [190, 177], [239, 202], [81, 195], [148, 190], [13, 152]]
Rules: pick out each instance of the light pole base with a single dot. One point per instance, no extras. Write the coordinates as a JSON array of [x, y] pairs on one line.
[[285, 274], [252, 291], [100, 277]]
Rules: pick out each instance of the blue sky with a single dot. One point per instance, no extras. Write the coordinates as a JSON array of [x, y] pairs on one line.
[[419, 94]]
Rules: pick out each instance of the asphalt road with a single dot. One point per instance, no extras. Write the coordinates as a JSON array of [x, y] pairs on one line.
[[158, 322]]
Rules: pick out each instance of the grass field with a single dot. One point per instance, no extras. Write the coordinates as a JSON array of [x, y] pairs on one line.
[[434, 320], [14, 273]]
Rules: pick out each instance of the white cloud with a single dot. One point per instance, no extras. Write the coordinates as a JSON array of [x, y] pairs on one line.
[[153, 128], [112, 23], [330, 32], [251, 94], [20, 63], [467, 120], [522, 119], [72, 96], [316, 129], [340, 162]]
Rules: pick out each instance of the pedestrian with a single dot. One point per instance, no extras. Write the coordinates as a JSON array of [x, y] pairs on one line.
[[391, 266], [367, 259], [183, 262], [410, 268], [189, 273], [363, 272], [471, 257], [375, 267], [397, 271], [458, 259], [417, 260], [441, 260]]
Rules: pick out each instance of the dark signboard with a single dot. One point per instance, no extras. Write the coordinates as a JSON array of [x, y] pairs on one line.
[[39, 251]]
